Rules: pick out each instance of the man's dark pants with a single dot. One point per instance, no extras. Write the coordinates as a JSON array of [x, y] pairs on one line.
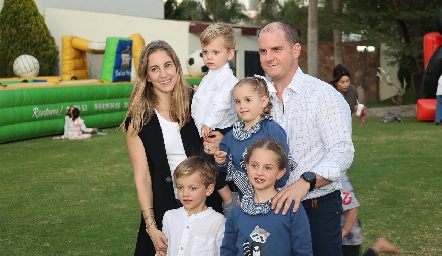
[[325, 224]]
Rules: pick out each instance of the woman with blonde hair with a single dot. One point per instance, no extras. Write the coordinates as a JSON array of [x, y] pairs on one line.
[[160, 133]]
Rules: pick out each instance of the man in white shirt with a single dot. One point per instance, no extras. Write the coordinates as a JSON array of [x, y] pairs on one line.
[[318, 125]]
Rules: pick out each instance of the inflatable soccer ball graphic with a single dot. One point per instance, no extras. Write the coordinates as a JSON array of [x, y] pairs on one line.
[[26, 66], [195, 64]]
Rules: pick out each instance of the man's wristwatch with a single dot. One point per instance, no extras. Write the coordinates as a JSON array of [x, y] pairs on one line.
[[310, 177]]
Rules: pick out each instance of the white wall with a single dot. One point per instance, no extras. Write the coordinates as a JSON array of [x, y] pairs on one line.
[[243, 43], [97, 27], [386, 91]]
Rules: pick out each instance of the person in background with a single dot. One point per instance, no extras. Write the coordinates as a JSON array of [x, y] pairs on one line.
[[194, 229], [381, 245], [159, 105], [438, 115], [212, 106], [341, 82], [352, 235], [77, 128], [67, 120]]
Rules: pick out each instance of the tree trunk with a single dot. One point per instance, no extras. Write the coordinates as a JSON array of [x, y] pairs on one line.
[[417, 77], [312, 38], [337, 34]]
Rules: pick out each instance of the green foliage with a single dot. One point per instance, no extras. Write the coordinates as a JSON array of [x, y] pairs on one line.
[[229, 11], [23, 31], [401, 25], [186, 10], [292, 12], [269, 10], [169, 9]]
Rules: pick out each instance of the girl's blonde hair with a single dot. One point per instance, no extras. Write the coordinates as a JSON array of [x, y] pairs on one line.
[[260, 85], [143, 99]]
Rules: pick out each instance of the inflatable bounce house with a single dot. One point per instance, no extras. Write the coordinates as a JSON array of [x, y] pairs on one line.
[[34, 106], [426, 107]]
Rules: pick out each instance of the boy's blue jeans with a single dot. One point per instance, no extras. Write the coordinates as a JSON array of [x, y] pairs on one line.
[[438, 116]]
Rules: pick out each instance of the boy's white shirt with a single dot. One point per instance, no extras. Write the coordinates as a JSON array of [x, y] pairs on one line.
[[212, 103], [199, 234]]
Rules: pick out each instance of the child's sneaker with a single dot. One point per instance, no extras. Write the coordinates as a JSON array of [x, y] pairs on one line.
[[56, 138], [101, 132]]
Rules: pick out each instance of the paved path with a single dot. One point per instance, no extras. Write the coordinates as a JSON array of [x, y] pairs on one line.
[[405, 111]]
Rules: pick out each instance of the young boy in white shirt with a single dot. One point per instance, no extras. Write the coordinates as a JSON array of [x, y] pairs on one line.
[[194, 229], [212, 106]]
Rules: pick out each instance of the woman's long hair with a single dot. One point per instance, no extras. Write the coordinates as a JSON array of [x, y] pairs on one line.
[[143, 99], [338, 72]]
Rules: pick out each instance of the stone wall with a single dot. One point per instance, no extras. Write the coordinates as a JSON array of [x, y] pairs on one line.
[[352, 60]]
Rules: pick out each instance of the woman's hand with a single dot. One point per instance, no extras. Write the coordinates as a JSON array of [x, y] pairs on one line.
[[211, 143], [159, 240]]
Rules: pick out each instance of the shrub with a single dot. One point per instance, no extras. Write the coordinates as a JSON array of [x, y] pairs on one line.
[[23, 31]]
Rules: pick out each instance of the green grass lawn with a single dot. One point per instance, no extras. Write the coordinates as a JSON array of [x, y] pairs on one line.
[[61, 197]]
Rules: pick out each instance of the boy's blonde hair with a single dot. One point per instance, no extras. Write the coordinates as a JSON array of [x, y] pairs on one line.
[[197, 164], [219, 29]]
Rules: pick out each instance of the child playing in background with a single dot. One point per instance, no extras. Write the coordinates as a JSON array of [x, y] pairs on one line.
[[77, 128], [212, 106], [67, 119], [255, 229], [194, 229], [253, 107], [352, 235]]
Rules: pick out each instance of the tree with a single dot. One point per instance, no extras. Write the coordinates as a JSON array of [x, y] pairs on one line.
[[169, 9], [337, 34], [400, 25], [186, 10], [229, 11], [269, 10], [23, 31], [312, 38], [295, 13]]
